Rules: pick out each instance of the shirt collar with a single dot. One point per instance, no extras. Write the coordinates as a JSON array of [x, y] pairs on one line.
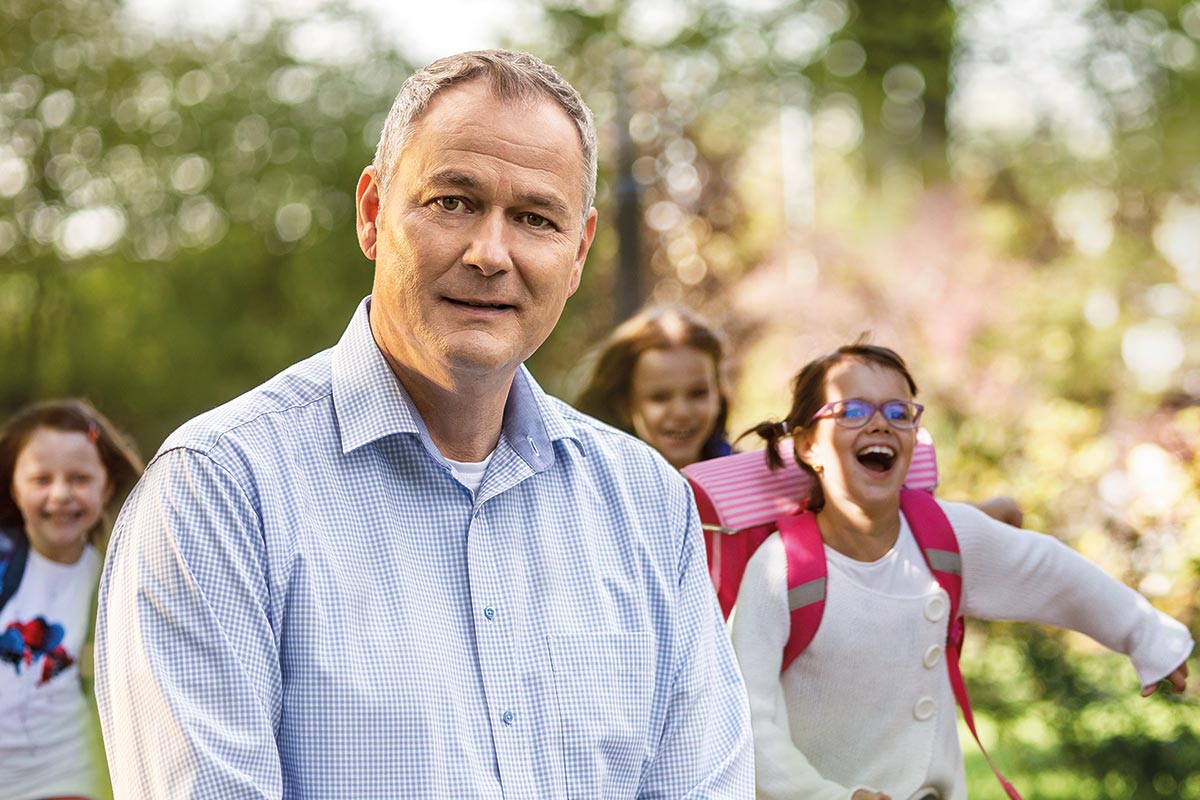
[[368, 400], [370, 403], [532, 422]]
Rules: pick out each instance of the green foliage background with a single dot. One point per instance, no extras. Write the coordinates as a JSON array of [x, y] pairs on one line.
[[176, 225]]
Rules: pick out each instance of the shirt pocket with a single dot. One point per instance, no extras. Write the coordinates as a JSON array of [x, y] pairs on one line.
[[604, 686]]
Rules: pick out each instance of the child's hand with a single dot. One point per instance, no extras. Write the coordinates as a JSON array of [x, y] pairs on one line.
[[1178, 680], [1004, 509]]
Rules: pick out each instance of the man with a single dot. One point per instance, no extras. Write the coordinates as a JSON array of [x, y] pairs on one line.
[[399, 569]]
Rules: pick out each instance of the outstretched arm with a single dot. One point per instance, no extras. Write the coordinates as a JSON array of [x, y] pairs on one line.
[[1031, 577], [1002, 508], [187, 667]]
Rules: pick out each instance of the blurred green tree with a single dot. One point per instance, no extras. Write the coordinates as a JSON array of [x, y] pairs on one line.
[[176, 214]]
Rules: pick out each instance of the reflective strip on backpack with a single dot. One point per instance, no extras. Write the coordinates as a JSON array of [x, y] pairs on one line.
[[806, 594], [944, 561]]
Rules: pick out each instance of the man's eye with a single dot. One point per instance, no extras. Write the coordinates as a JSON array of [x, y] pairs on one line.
[[450, 203], [537, 221]]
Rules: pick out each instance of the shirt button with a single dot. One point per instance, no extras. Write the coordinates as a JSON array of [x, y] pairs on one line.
[[508, 717], [936, 608], [932, 656], [489, 612], [924, 709]]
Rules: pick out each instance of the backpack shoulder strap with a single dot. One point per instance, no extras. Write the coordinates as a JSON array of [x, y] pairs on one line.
[[939, 545], [12, 562], [806, 573]]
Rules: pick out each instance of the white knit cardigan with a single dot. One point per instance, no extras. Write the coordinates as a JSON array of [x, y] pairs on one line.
[[868, 704]]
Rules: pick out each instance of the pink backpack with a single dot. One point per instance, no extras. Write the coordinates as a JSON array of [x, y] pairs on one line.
[[742, 502], [740, 499]]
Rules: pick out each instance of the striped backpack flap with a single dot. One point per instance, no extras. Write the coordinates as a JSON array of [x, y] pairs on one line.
[[740, 499]]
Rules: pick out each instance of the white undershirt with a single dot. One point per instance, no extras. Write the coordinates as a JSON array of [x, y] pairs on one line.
[[470, 473], [900, 572]]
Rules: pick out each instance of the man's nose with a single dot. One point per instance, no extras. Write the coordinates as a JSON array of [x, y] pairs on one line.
[[490, 248]]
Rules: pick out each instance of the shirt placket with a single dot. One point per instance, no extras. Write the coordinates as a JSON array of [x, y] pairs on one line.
[[498, 608]]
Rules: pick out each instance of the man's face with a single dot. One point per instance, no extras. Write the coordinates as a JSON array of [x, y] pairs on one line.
[[481, 238]]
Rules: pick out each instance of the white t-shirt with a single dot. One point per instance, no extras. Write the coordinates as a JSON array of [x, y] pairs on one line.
[[46, 746], [900, 572], [470, 473]]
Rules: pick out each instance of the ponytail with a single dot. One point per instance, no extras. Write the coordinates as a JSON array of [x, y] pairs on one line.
[[773, 433], [770, 432]]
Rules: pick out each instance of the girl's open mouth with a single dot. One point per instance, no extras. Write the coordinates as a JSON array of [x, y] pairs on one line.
[[877, 457]]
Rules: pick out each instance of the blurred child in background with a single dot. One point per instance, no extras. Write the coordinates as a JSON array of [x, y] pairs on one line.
[[64, 469], [658, 377]]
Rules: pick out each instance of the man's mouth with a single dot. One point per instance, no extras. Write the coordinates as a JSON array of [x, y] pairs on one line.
[[877, 457], [482, 304]]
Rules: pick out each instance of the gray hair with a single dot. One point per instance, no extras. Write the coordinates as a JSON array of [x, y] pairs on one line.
[[511, 75]]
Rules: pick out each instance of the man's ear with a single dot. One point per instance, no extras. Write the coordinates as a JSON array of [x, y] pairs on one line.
[[585, 244], [366, 207]]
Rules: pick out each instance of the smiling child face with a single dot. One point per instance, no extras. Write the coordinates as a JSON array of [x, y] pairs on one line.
[[864, 466], [60, 487], [675, 401]]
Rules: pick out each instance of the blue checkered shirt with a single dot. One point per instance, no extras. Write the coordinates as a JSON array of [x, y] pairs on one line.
[[301, 601]]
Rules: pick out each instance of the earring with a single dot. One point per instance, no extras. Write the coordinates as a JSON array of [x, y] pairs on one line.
[[817, 468]]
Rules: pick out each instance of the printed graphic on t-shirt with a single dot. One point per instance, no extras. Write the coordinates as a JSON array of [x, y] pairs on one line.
[[24, 644]]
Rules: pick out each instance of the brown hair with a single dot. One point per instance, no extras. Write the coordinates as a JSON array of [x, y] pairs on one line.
[[808, 395], [117, 453], [608, 395]]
